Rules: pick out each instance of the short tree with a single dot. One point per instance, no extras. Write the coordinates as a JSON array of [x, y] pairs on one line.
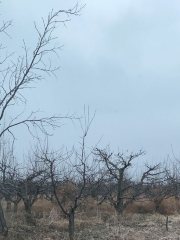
[[31, 183], [120, 188], [74, 175], [162, 186]]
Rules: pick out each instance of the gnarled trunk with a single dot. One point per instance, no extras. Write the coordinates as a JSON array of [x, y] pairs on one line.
[[157, 203], [71, 225], [28, 208], [8, 206], [119, 206], [3, 225], [15, 207]]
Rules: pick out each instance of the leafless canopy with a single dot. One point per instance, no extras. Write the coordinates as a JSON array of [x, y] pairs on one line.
[[28, 69], [119, 188]]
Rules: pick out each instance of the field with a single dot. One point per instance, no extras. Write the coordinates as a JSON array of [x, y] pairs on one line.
[[97, 222]]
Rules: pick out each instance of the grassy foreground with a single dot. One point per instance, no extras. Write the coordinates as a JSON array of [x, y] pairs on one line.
[[97, 222]]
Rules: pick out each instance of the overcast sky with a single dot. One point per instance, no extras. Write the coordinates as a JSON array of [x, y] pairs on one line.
[[121, 58]]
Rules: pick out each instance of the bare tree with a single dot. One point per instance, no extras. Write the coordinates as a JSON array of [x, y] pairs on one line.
[[74, 176], [162, 186], [6, 161], [158, 191], [31, 183], [6, 191], [172, 167], [9, 169], [120, 188], [18, 75], [26, 182], [22, 72]]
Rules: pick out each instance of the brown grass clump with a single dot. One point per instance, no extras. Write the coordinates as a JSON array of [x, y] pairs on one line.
[[169, 206], [140, 207]]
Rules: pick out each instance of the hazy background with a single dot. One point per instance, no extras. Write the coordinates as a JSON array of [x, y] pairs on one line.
[[121, 58]]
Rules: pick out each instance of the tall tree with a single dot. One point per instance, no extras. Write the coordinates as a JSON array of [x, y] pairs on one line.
[[29, 68], [22, 73]]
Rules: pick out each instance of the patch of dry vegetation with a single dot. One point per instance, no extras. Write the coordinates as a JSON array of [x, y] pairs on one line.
[[93, 221]]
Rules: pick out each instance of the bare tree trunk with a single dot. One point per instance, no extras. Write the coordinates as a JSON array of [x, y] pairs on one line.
[[15, 207], [157, 208], [167, 221], [119, 210], [3, 225], [157, 203], [119, 205], [28, 207], [8, 206], [71, 225]]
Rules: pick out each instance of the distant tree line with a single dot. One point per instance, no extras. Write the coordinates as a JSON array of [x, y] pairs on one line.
[[70, 177]]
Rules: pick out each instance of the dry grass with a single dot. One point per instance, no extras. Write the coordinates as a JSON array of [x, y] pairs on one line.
[[130, 227], [97, 222], [141, 207]]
